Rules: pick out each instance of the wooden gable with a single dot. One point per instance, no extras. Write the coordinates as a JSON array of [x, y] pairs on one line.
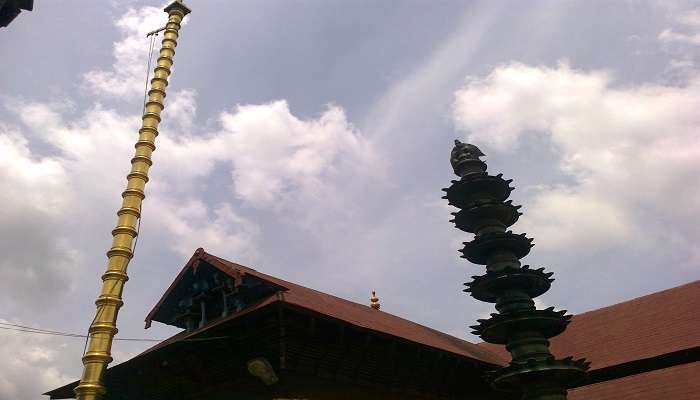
[[204, 292]]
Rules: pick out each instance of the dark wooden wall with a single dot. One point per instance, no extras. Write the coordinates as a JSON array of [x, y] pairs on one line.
[[314, 356]]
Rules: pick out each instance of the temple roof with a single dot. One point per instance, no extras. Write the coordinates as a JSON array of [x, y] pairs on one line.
[[359, 315], [678, 383], [657, 324]]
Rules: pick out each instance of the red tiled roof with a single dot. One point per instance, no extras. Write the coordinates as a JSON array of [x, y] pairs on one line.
[[678, 383], [347, 311], [648, 326]]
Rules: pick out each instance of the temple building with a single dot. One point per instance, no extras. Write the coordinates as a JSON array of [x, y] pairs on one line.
[[249, 335]]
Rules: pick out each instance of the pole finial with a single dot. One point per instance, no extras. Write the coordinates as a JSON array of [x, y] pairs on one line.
[[465, 159], [374, 301], [177, 6]]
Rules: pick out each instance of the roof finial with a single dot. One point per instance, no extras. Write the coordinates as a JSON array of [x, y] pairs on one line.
[[374, 301]]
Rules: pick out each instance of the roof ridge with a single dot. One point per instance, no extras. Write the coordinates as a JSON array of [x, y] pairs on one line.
[[642, 297], [228, 262], [354, 303]]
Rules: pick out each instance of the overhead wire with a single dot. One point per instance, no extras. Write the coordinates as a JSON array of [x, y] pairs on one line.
[[28, 329]]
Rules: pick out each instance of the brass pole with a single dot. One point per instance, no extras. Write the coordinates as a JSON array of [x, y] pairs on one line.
[[104, 325]]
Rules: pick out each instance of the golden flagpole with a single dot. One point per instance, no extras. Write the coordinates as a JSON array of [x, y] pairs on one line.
[[104, 325]]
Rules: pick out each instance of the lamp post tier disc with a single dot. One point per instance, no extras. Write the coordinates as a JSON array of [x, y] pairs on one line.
[[486, 213], [494, 284], [514, 377], [464, 192], [483, 247], [500, 327]]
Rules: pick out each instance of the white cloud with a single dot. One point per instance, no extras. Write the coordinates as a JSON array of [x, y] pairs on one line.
[[632, 151], [25, 175], [93, 153], [220, 231], [180, 110], [517, 89], [691, 18], [680, 70], [126, 78], [564, 217], [687, 32], [274, 153], [669, 35], [276, 160], [32, 363], [35, 194]]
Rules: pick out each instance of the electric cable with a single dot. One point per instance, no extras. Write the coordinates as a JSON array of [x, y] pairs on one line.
[[28, 329]]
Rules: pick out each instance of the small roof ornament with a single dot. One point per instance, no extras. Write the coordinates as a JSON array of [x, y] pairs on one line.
[[465, 159], [374, 301]]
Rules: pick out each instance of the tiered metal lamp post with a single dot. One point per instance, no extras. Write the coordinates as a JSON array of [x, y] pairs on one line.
[[523, 329]]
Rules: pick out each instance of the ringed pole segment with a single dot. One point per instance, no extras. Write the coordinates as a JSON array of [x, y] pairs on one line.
[[104, 325]]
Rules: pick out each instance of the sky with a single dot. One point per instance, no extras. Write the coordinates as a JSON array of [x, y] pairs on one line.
[[310, 140]]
